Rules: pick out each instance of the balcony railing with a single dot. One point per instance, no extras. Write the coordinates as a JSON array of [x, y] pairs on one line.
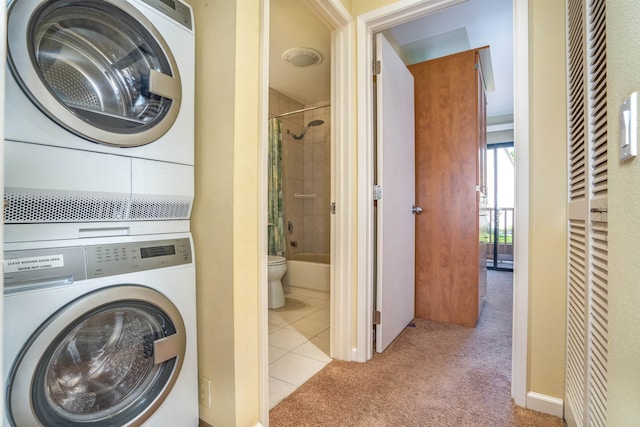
[[501, 238]]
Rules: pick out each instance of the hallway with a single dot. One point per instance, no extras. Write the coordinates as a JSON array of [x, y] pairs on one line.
[[434, 374]]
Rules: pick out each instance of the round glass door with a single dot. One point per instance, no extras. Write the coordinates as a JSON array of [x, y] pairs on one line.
[[111, 365], [98, 68]]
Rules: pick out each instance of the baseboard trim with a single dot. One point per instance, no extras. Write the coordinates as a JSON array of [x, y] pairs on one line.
[[205, 424], [546, 404]]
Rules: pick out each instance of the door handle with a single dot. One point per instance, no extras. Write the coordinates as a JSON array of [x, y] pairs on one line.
[[416, 209], [164, 85]]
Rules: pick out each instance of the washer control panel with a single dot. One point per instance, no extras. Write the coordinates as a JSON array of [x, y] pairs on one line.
[[43, 267], [36, 268], [120, 258]]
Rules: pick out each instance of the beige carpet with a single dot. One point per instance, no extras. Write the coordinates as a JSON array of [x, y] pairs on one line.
[[433, 374]]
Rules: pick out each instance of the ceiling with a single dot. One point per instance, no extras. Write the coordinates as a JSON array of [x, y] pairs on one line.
[[471, 24], [294, 25]]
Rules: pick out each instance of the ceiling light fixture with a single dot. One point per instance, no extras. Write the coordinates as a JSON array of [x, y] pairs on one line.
[[302, 57]]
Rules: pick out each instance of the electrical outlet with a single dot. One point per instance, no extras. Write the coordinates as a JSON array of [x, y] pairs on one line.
[[204, 391]]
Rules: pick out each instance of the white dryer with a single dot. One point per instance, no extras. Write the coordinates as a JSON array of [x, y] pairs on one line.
[[101, 332], [110, 76], [105, 86]]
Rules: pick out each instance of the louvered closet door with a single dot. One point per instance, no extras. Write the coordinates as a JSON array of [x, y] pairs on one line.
[[587, 342]]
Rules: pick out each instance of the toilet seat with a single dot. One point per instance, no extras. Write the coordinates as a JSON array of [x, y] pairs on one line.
[[277, 260]]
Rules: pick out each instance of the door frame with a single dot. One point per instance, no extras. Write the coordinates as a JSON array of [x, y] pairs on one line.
[[385, 18]]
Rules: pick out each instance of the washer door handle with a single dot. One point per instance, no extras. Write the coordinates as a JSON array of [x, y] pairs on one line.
[[164, 85], [168, 347]]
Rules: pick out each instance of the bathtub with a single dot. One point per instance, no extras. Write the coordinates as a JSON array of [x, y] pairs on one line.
[[308, 270]]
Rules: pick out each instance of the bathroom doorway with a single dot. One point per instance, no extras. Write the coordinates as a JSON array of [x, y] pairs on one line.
[[300, 196]]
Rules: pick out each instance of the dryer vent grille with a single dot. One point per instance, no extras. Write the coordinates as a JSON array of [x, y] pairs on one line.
[[159, 208], [28, 206], [40, 206]]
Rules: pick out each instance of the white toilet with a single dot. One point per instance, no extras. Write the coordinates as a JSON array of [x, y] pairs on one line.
[[277, 268]]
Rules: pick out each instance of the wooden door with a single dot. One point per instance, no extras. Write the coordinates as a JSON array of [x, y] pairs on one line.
[[446, 183]]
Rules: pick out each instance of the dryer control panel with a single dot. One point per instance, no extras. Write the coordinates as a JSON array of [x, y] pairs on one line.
[[126, 257], [174, 9]]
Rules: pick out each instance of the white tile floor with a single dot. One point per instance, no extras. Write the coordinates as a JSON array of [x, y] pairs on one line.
[[298, 341]]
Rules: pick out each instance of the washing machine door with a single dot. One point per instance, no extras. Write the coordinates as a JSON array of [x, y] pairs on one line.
[[109, 358], [98, 68]]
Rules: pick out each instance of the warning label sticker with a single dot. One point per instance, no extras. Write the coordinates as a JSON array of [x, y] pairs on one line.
[[33, 263]]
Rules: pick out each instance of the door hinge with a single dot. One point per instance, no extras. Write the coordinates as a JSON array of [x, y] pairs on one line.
[[333, 208], [477, 65], [377, 192], [377, 67], [376, 317]]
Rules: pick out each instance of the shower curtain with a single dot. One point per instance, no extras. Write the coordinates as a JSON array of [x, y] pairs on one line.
[[276, 202]]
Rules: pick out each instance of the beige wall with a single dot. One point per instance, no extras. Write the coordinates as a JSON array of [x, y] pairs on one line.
[[346, 4], [623, 78], [547, 198], [358, 7], [225, 216]]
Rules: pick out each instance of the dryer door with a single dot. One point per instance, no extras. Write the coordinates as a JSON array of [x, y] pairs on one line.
[[98, 68], [108, 358]]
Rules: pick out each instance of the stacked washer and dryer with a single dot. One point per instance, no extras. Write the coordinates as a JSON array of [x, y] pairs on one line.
[[99, 266]]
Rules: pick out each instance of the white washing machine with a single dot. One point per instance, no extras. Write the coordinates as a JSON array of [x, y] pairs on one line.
[[100, 110], [101, 332]]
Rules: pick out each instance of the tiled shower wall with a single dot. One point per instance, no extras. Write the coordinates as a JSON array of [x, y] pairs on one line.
[[306, 175], [317, 180]]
